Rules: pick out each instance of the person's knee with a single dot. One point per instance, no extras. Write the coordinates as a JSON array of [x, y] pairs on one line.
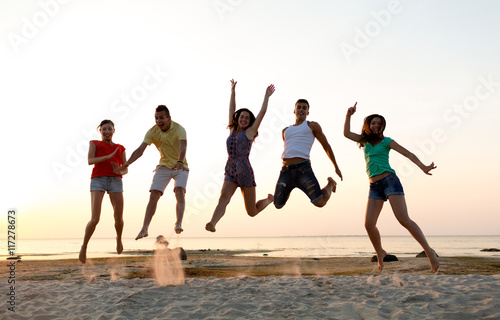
[[94, 221], [155, 195], [225, 197], [369, 225], [278, 204], [180, 194], [407, 223], [321, 203], [252, 212], [118, 220]]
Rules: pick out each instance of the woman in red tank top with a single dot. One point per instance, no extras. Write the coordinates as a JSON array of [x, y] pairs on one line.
[[106, 156]]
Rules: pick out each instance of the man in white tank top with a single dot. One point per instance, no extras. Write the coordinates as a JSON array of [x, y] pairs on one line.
[[296, 171]]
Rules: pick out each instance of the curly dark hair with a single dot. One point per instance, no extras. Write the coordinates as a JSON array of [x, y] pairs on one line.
[[233, 125]]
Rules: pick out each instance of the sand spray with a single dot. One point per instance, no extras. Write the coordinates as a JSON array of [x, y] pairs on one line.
[[167, 264]]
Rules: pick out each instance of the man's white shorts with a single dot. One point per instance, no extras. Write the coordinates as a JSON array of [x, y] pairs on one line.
[[162, 178]]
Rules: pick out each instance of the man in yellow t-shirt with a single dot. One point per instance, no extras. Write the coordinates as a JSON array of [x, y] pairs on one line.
[[169, 138]]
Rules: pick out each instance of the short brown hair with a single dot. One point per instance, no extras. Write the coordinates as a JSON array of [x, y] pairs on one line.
[[161, 108]]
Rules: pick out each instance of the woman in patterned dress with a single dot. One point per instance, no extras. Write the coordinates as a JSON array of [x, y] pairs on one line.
[[243, 126]]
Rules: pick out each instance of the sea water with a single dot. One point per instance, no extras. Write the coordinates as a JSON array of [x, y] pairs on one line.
[[307, 247]]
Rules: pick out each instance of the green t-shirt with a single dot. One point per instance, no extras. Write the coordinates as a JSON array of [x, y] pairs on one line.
[[377, 157]]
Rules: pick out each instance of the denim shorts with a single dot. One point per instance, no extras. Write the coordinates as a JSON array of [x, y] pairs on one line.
[[109, 183], [162, 178], [385, 187], [300, 176]]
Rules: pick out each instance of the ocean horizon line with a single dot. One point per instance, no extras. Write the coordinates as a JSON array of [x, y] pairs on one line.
[[285, 236]]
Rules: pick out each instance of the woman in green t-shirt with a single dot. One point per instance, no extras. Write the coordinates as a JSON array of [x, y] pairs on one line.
[[384, 184]]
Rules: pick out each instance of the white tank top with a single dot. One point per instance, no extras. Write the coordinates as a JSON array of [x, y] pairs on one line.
[[298, 141]]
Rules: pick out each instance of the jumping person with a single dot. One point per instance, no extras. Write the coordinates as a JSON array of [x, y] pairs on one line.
[[103, 155], [296, 171], [169, 138], [243, 126], [384, 183]]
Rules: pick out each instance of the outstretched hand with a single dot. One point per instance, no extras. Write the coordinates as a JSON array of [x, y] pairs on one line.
[[233, 84], [119, 170], [337, 171], [270, 90], [428, 168], [352, 109]]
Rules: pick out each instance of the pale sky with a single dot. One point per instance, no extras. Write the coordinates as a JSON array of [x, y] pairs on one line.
[[431, 68]]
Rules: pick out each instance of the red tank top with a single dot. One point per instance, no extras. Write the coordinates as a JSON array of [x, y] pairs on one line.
[[104, 168]]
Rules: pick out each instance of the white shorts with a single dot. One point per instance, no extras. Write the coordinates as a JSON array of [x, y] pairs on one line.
[[162, 178]]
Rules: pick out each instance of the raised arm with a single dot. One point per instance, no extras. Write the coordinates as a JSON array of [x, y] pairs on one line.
[[397, 147], [253, 129], [93, 159], [318, 133], [347, 125], [232, 100]]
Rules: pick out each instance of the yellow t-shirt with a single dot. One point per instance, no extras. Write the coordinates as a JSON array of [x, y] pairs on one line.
[[167, 143]]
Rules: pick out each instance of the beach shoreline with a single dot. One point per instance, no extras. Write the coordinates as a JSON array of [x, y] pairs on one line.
[[225, 264]]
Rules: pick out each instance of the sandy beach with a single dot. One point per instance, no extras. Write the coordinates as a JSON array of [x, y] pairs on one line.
[[221, 285]]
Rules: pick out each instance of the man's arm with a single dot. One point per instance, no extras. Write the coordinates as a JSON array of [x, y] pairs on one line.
[[135, 155], [318, 134], [182, 156]]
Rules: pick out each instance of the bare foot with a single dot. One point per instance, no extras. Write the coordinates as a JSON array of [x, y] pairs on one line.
[[270, 197], [210, 227], [178, 228], [142, 234], [83, 255], [119, 246], [433, 259], [380, 260], [332, 183]]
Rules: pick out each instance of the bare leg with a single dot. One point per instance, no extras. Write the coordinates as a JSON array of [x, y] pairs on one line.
[[117, 202], [150, 211], [327, 192], [96, 202], [227, 192], [180, 206], [253, 208], [400, 210], [373, 209]]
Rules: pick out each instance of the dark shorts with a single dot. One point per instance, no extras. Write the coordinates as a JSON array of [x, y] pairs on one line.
[[300, 176], [385, 187]]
